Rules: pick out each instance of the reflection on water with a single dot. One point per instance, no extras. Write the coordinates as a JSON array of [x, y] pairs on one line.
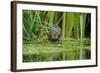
[[56, 51]]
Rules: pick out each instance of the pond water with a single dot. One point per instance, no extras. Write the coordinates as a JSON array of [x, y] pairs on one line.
[[56, 51]]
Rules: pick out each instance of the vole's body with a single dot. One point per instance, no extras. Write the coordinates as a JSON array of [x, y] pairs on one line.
[[54, 33]]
